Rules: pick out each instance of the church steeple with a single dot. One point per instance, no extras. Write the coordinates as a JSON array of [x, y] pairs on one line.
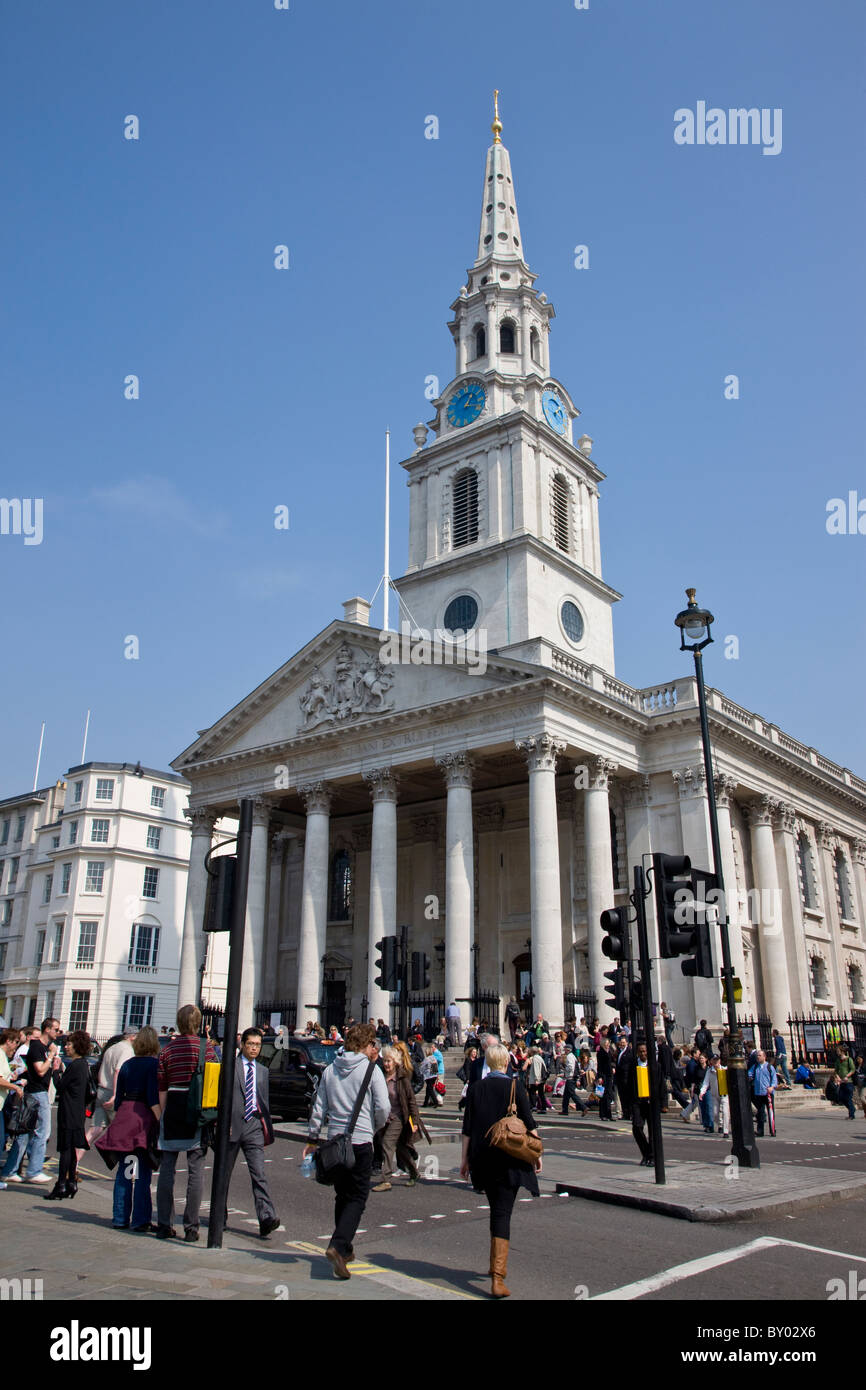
[[499, 234]]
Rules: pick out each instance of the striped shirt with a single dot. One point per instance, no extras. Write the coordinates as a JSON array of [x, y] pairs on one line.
[[179, 1059]]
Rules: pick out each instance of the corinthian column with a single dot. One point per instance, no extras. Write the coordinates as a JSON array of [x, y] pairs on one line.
[[383, 878], [459, 880], [541, 754], [795, 937], [193, 948], [725, 786], [254, 927], [599, 875], [316, 797], [771, 941]]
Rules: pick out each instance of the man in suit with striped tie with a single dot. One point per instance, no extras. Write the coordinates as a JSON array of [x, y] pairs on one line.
[[250, 1117]]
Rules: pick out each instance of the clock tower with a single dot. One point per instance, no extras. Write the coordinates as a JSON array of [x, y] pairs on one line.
[[503, 516]]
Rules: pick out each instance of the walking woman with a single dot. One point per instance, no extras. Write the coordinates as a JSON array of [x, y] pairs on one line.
[[404, 1122], [430, 1073], [491, 1170], [71, 1086], [133, 1134]]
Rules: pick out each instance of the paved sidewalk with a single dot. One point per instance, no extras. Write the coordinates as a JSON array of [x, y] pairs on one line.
[[72, 1247]]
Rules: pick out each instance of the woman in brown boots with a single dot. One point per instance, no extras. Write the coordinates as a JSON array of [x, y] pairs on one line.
[[491, 1170]]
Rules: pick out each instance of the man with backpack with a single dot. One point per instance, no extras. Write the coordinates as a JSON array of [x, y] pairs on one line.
[[704, 1039], [178, 1060]]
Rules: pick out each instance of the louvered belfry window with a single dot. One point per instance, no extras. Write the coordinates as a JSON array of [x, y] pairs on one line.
[[465, 518], [561, 526]]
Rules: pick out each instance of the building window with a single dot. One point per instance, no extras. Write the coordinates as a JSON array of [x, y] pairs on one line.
[[461, 615], [137, 1010], [40, 948], [535, 345], [73, 832], [79, 1010], [561, 510], [19, 829], [57, 944], [47, 887], [480, 341], [94, 876], [341, 887], [6, 913], [13, 870], [807, 876], [465, 508], [154, 834], [7, 825], [99, 832], [50, 1001], [104, 788], [55, 841], [506, 337], [4, 946], [572, 621], [157, 797], [151, 883], [65, 878], [86, 943], [614, 850], [2, 867], [843, 886], [143, 945], [79, 788], [820, 982]]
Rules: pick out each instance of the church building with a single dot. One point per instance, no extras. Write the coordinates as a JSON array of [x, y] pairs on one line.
[[488, 781]]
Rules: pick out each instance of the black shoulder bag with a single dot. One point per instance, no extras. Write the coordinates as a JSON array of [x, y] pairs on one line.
[[337, 1153]]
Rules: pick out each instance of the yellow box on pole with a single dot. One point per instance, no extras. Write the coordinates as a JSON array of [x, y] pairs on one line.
[[642, 1082], [211, 1086]]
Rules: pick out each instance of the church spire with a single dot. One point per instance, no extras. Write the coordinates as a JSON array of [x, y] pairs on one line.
[[499, 234]]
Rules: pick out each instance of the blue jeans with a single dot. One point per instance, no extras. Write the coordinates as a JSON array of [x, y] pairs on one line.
[[132, 1200], [782, 1066], [33, 1144], [706, 1105]]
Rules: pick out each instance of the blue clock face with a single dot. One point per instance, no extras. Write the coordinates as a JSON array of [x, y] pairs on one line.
[[554, 411], [466, 404]]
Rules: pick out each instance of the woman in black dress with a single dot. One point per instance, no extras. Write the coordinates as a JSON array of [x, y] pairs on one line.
[[72, 1087], [491, 1170]]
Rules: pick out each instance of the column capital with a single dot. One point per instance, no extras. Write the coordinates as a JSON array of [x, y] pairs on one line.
[[724, 786], [202, 819], [760, 812], [382, 783], [637, 791], [456, 768], [541, 752], [489, 817], [787, 816], [316, 797], [262, 808], [691, 781], [425, 828], [859, 847], [600, 772], [827, 835]]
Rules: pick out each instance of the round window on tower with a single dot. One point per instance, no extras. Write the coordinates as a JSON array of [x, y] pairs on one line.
[[461, 615], [572, 621]]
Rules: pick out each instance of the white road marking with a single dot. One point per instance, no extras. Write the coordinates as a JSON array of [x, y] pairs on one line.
[[706, 1262], [439, 1216], [461, 1211], [414, 1221], [387, 1225]]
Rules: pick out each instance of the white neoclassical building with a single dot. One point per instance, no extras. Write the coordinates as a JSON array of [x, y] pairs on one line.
[[492, 788]]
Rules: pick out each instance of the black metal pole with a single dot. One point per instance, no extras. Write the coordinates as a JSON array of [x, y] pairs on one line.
[[640, 892], [743, 1145], [404, 983], [220, 1185]]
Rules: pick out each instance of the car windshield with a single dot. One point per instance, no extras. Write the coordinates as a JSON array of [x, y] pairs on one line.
[[321, 1052]]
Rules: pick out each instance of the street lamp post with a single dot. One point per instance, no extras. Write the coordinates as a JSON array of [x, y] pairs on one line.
[[695, 625]]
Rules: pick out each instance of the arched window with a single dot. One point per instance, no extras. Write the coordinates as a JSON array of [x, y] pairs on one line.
[[561, 514], [846, 906], [535, 346], [855, 983], [807, 881], [480, 340], [820, 983], [341, 887], [464, 529], [506, 337], [614, 850]]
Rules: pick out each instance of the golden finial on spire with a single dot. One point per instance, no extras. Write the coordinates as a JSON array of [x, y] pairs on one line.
[[497, 124]]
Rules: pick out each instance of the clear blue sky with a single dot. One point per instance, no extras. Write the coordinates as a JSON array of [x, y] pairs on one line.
[[260, 387]]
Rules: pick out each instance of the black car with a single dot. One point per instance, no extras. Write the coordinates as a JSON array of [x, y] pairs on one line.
[[295, 1066]]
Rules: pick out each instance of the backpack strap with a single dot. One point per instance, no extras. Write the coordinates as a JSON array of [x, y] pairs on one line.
[[359, 1100]]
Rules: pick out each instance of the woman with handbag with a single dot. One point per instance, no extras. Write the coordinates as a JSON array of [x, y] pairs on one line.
[[74, 1088], [402, 1125], [132, 1134], [493, 1106]]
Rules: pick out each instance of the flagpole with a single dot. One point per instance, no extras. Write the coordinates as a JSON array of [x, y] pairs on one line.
[[387, 524], [39, 757], [84, 744]]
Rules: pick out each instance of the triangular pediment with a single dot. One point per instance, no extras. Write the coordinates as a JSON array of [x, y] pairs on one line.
[[347, 676]]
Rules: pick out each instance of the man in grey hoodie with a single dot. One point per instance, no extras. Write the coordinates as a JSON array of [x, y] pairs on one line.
[[335, 1099]]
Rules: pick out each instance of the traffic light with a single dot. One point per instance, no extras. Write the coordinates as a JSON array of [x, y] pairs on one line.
[[668, 872], [700, 949], [636, 998], [615, 922], [615, 993], [386, 964], [220, 890], [420, 971]]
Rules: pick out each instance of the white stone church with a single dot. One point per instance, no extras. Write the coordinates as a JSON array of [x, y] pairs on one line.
[[440, 791]]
